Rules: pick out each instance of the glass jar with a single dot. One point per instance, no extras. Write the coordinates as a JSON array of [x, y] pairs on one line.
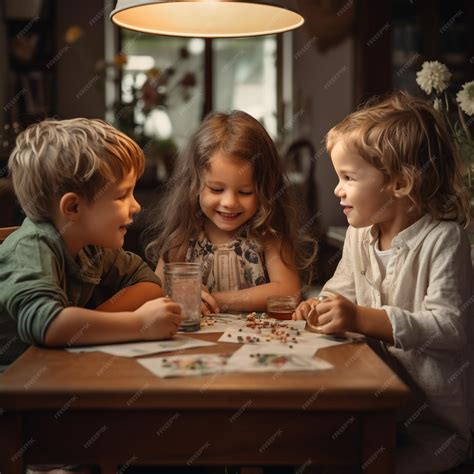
[[183, 285], [281, 307]]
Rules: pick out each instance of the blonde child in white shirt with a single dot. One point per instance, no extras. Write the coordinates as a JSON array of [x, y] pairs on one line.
[[405, 277]]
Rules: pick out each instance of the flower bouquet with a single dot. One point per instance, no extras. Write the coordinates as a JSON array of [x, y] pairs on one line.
[[434, 78]]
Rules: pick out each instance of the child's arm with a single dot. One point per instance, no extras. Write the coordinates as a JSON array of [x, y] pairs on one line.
[[156, 319], [131, 297], [337, 314], [130, 281], [342, 282], [441, 321], [284, 280]]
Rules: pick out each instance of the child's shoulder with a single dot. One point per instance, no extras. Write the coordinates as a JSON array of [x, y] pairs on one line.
[[33, 251], [425, 230], [32, 235], [433, 230], [261, 244], [107, 264], [448, 233], [429, 235], [449, 227]]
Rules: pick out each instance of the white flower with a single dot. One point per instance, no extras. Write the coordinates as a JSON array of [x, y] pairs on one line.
[[465, 98], [433, 75]]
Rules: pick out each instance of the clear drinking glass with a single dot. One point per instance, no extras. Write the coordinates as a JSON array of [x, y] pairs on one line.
[[281, 307], [183, 285]]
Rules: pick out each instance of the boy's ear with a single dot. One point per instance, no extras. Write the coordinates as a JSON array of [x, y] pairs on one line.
[[401, 187], [69, 206]]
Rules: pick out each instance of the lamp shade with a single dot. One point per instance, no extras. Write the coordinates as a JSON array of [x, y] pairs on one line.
[[204, 18]]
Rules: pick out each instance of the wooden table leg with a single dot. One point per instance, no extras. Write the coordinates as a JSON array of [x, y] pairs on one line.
[[378, 443], [12, 446]]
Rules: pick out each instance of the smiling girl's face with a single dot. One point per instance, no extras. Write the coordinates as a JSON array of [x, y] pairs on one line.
[[228, 198]]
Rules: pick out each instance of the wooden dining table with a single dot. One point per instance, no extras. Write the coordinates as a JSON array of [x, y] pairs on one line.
[[95, 408]]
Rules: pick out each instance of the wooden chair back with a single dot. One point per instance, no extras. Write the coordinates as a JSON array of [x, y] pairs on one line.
[[5, 232]]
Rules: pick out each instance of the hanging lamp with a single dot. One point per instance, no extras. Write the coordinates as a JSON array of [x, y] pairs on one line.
[[204, 18]]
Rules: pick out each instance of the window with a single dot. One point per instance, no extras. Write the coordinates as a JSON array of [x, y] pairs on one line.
[[163, 83], [245, 76]]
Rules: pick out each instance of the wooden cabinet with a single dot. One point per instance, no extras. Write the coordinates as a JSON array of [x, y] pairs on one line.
[[393, 39]]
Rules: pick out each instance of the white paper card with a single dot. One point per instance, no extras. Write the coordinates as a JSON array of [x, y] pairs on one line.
[[186, 365], [135, 349], [272, 358]]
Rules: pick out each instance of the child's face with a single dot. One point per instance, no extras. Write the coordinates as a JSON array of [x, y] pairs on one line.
[[228, 198], [103, 220], [361, 190]]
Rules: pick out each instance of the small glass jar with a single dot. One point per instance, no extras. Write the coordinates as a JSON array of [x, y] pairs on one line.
[[312, 316], [183, 285], [281, 307]]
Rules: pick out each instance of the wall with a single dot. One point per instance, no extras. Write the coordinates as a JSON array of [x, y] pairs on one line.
[[3, 68], [322, 97], [80, 87]]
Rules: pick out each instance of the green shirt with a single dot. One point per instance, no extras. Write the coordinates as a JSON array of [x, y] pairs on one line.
[[39, 278]]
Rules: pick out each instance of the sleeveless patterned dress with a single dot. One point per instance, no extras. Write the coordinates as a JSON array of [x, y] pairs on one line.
[[231, 266]]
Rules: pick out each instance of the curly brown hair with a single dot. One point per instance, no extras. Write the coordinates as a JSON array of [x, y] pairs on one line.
[[180, 218]]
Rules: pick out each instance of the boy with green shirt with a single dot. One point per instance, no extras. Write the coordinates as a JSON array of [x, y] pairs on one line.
[[64, 278]]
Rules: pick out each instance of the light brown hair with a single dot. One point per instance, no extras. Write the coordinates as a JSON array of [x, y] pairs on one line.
[[80, 155], [408, 141]]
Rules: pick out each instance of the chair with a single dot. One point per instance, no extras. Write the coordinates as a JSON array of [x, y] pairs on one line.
[[300, 163], [6, 231], [300, 159], [9, 204]]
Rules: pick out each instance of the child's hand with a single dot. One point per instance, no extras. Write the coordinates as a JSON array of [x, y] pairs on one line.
[[160, 318], [304, 308], [335, 314], [208, 303]]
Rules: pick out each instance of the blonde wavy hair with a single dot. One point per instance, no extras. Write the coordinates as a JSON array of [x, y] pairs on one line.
[[408, 141], [80, 155], [179, 217]]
